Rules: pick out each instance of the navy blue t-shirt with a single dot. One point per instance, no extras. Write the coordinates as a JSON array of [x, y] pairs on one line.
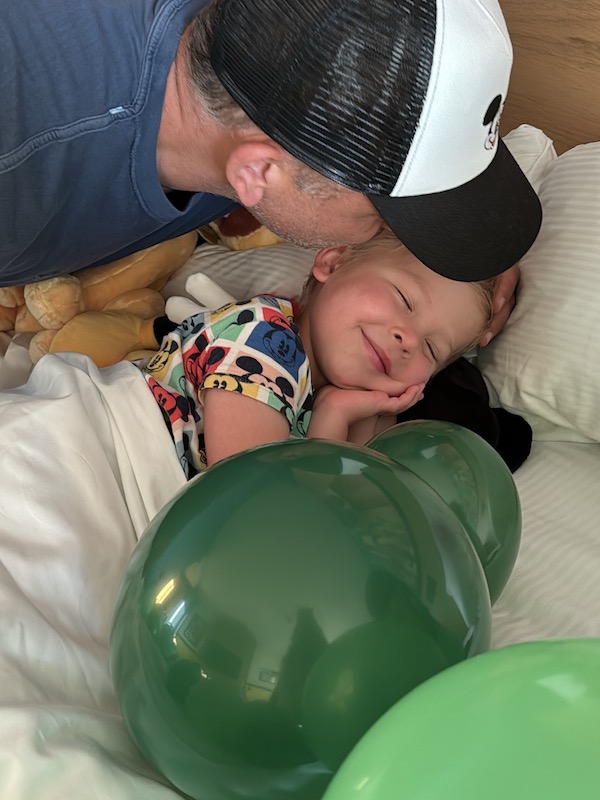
[[82, 84]]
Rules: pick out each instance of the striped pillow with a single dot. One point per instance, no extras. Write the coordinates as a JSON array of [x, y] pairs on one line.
[[545, 365], [280, 270]]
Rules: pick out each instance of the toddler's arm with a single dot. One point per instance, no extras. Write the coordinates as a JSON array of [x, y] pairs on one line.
[[234, 422]]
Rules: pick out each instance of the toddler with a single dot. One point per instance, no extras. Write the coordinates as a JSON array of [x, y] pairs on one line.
[[373, 325]]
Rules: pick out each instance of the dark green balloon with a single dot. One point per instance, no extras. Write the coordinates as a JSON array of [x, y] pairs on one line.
[[518, 723], [470, 476], [342, 699], [240, 633]]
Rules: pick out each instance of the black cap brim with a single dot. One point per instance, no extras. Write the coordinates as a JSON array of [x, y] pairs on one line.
[[472, 232]]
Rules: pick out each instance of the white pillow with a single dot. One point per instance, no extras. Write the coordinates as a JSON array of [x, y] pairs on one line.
[[533, 151], [545, 364]]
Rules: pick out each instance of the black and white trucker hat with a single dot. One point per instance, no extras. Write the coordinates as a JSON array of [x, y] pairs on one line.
[[399, 100]]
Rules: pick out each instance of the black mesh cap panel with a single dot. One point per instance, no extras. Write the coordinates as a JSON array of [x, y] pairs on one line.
[[339, 84]]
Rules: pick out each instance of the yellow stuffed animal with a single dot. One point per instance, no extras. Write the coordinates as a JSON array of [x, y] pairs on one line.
[[105, 312], [108, 312]]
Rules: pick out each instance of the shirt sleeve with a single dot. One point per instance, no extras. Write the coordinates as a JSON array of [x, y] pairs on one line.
[[257, 352]]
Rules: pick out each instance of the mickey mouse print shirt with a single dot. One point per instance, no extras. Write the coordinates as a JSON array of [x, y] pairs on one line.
[[252, 348]]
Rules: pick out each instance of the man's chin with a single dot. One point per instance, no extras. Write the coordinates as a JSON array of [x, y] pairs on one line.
[[299, 239]]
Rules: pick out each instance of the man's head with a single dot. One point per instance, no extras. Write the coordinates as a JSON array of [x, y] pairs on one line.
[[398, 100], [290, 198]]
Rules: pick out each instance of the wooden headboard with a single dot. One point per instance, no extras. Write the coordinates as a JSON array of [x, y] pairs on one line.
[[555, 83]]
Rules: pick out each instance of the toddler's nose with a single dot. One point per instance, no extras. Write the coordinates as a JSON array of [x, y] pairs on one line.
[[406, 339]]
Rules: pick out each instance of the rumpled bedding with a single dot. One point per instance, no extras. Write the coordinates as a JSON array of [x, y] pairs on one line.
[[86, 463]]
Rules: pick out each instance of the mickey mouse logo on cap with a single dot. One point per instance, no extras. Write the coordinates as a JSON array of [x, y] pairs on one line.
[[492, 119]]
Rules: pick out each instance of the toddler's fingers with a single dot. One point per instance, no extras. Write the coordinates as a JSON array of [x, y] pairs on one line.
[[408, 398], [415, 392], [503, 303]]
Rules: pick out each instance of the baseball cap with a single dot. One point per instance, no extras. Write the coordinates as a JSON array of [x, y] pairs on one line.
[[399, 100]]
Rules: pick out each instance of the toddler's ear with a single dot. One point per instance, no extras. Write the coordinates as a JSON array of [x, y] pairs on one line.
[[326, 262]]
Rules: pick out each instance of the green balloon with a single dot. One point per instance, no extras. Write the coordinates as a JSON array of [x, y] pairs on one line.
[[239, 633], [472, 479], [341, 699], [521, 722]]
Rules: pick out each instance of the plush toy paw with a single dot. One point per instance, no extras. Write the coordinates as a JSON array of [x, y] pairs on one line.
[[105, 336], [209, 295], [55, 301]]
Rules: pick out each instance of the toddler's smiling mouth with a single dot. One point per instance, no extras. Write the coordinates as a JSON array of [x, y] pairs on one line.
[[376, 356]]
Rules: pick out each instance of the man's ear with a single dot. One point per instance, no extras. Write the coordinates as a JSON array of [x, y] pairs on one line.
[[326, 262], [250, 168]]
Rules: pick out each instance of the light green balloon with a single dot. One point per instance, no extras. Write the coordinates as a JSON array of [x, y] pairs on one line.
[[519, 723], [470, 476]]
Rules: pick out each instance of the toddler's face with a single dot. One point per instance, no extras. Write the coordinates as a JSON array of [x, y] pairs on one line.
[[387, 322]]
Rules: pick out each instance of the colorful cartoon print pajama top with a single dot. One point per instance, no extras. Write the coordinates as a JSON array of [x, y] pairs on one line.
[[252, 348]]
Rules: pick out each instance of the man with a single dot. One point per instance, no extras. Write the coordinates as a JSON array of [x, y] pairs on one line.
[[337, 117]]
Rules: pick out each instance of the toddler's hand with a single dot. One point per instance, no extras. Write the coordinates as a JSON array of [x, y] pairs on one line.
[[355, 405]]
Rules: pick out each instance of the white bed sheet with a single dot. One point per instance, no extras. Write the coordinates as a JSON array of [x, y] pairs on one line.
[[71, 515], [79, 451]]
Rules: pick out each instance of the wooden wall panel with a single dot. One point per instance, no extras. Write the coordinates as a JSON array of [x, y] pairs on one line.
[[555, 83]]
